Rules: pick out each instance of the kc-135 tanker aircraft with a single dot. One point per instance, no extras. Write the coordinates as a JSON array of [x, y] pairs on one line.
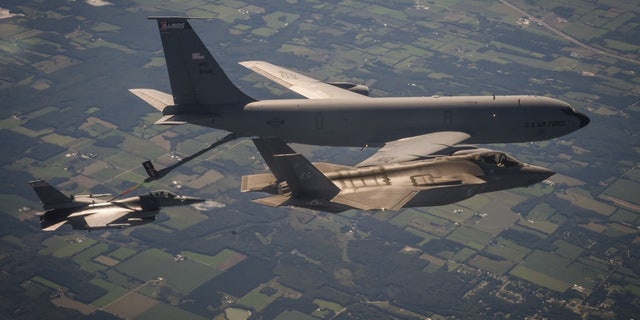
[[342, 114]]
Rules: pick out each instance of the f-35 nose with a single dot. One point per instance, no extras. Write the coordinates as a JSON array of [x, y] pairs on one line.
[[584, 120], [537, 174]]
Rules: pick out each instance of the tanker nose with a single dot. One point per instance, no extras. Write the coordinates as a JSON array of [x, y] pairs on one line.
[[584, 120]]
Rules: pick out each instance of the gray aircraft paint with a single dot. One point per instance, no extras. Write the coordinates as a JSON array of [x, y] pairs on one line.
[[376, 121], [204, 95]]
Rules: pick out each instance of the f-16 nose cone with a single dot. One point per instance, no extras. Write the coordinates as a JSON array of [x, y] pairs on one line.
[[190, 200], [584, 120]]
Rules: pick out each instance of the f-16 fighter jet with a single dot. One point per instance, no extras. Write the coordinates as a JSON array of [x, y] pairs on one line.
[[89, 212], [439, 180]]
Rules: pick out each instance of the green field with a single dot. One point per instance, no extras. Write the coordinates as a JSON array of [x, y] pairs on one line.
[[12, 204], [425, 236], [470, 237], [165, 311], [333, 306], [477, 202], [539, 278], [539, 225], [182, 218], [567, 250], [507, 249], [236, 314], [105, 27], [626, 190], [14, 241], [223, 260], [46, 283], [541, 212], [555, 272], [622, 215], [617, 230], [493, 266], [294, 315], [633, 174], [423, 222], [620, 45], [122, 253], [65, 246], [184, 276], [85, 258], [257, 300], [463, 254], [279, 19], [453, 212], [63, 141], [114, 292], [34, 290]]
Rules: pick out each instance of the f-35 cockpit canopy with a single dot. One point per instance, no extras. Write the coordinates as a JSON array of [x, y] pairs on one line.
[[498, 159]]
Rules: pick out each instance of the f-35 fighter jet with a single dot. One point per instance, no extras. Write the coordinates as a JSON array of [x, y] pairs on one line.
[[434, 181], [90, 212]]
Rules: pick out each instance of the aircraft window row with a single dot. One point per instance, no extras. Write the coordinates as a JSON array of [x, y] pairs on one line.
[[542, 124]]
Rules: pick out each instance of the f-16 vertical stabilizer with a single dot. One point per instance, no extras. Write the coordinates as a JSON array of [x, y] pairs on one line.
[[150, 169], [50, 197]]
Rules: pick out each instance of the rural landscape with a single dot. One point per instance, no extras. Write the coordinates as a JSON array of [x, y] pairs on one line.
[[567, 248]]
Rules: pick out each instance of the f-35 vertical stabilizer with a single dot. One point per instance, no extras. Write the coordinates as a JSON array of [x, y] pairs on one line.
[[302, 177]]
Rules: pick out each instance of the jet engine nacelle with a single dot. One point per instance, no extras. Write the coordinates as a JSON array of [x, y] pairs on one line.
[[465, 152], [357, 88]]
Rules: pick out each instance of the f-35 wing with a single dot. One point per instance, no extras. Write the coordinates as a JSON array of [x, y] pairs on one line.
[[300, 84], [414, 148], [377, 199]]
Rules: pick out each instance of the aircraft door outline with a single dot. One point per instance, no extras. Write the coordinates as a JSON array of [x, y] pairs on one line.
[[447, 118], [319, 121]]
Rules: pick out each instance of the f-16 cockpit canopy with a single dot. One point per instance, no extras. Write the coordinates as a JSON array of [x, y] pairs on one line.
[[163, 194]]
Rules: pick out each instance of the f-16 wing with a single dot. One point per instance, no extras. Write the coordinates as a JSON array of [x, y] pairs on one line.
[[97, 219], [55, 226], [414, 148], [300, 84]]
